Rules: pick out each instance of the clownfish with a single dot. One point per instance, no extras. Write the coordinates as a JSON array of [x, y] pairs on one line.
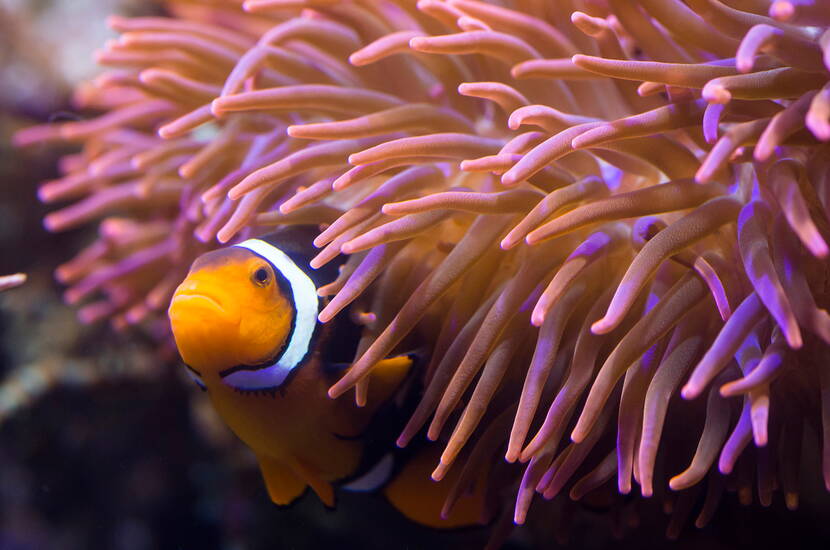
[[245, 323]]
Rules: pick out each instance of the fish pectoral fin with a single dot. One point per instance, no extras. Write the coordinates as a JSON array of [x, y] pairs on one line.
[[311, 477], [284, 486]]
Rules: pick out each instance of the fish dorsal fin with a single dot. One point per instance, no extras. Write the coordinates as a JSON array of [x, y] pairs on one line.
[[387, 376]]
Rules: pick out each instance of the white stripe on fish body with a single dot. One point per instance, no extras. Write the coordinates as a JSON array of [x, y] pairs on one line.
[[306, 303], [375, 478]]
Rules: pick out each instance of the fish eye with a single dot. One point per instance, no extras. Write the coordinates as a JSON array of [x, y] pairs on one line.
[[261, 276]]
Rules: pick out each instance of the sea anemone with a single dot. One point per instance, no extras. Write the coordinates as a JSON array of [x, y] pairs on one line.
[[11, 281], [585, 209]]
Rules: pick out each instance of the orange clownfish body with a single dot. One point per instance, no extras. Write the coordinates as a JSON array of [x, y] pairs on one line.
[[245, 323]]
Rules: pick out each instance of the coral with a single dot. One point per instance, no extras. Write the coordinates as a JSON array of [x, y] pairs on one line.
[[590, 208]]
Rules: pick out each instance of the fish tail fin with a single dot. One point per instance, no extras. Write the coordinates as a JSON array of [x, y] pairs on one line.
[[413, 493]]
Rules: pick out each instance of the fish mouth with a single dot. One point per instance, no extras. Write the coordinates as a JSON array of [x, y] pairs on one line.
[[197, 299]]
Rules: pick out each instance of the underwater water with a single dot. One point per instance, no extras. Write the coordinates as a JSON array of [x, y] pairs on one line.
[[105, 444]]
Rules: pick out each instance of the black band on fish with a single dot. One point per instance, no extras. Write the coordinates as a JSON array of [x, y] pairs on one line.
[[306, 304], [195, 376]]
